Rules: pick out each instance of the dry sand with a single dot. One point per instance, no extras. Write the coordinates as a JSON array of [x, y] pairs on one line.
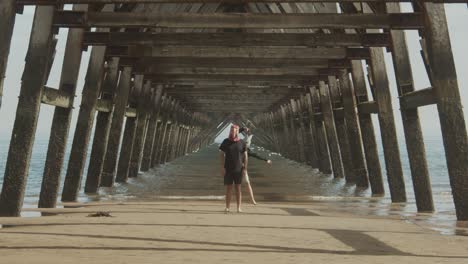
[[199, 232]]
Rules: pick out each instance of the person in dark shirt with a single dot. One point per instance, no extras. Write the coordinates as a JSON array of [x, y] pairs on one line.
[[233, 153]]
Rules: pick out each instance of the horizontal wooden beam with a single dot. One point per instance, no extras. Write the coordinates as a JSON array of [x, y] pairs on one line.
[[53, 2], [418, 98], [105, 105], [56, 97], [235, 39], [232, 91], [237, 20], [208, 71], [139, 63], [230, 78], [247, 52], [231, 83], [369, 107]]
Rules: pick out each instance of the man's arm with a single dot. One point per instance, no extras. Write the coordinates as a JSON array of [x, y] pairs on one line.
[[221, 156]]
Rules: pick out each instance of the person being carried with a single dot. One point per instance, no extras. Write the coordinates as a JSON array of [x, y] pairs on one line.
[[248, 140], [234, 160]]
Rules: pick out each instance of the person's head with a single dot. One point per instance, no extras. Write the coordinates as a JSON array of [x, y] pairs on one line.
[[234, 132], [244, 130]]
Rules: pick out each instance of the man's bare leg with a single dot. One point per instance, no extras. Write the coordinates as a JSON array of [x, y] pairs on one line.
[[238, 197], [228, 196]]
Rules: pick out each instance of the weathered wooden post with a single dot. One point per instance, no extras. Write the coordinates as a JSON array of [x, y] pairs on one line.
[[410, 118], [7, 22], [452, 121], [151, 137], [129, 132], [387, 126], [62, 118], [286, 133], [332, 137], [367, 128], [121, 100], [143, 108], [84, 124], [324, 154], [337, 107], [296, 120], [353, 131], [311, 132], [103, 124], [27, 113]]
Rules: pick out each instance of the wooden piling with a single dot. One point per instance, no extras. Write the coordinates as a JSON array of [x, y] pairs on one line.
[[27, 113], [125, 154], [103, 124], [144, 106], [62, 118], [411, 124], [353, 131], [332, 138], [152, 129], [110, 161], [452, 121], [129, 132], [367, 131], [387, 126], [311, 132], [84, 125], [324, 155], [7, 22], [337, 107]]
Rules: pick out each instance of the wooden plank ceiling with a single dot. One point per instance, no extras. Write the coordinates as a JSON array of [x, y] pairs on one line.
[[225, 56]]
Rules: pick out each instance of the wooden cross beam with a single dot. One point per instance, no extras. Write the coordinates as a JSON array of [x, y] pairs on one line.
[[55, 2], [292, 79], [214, 71], [237, 20], [231, 39], [142, 63], [248, 52]]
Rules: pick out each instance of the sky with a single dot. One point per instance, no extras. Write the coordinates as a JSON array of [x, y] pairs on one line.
[[457, 15]]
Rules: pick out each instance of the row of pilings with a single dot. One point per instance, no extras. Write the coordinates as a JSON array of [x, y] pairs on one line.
[[330, 128], [118, 102]]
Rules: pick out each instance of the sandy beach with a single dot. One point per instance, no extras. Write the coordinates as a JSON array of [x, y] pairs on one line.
[[199, 232]]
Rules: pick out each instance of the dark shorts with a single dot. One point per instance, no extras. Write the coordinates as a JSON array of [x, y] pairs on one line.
[[233, 177]]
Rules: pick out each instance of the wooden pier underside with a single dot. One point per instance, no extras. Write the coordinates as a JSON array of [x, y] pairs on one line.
[[168, 75]]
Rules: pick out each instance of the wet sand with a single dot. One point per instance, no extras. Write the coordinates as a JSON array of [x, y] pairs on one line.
[[198, 231]]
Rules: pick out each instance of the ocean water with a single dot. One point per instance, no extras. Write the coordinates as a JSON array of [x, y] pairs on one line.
[[196, 176]]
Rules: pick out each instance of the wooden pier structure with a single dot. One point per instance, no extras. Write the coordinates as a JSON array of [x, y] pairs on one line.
[[168, 75]]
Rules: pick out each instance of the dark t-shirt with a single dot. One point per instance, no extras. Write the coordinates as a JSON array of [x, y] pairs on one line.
[[233, 154]]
